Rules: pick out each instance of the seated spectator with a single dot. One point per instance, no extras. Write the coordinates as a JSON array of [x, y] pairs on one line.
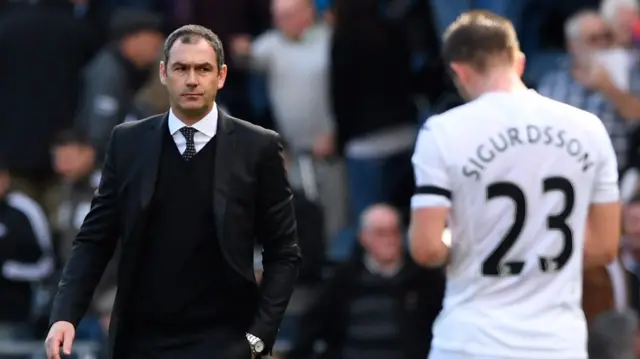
[[378, 305], [583, 81], [26, 256]]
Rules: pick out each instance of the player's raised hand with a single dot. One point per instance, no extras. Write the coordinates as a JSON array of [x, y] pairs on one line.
[[60, 334]]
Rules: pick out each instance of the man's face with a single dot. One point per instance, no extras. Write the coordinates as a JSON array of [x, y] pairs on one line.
[[622, 28], [74, 161], [382, 237], [594, 36], [292, 17], [147, 46], [192, 76]]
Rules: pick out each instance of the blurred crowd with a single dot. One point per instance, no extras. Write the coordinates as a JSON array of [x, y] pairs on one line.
[[347, 83]]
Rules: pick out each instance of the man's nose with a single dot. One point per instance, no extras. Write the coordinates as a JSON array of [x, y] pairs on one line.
[[192, 80]]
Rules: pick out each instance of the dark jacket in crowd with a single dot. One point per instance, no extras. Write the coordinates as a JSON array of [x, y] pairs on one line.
[[26, 255], [110, 84], [370, 80], [44, 48]]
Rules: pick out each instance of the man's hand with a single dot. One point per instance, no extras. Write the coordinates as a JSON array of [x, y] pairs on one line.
[[60, 334], [595, 77], [324, 146]]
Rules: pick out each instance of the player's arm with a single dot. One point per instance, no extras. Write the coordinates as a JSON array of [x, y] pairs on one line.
[[603, 222], [430, 204]]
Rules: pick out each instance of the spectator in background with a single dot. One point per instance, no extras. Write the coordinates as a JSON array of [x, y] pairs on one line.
[[295, 59], [26, 256], [584, 82], [74, 162], [74, 159], [43, 50], [370, 93], [622, 16], [379, 304], [114, 76]]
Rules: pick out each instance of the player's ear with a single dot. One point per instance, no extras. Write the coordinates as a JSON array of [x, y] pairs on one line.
[[162, 72], [459, 70], [520, 62]]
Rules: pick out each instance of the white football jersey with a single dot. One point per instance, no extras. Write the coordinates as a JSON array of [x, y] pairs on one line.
[[519, 172]]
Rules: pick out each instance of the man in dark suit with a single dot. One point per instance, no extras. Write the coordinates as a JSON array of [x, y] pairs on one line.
[[189, 193]]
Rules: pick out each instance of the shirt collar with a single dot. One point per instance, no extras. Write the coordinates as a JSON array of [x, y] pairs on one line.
[[207, 125]]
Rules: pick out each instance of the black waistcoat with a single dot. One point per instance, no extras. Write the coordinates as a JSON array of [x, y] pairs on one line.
[[181, 275]]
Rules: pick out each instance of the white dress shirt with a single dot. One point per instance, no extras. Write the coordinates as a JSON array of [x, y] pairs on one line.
[[206, 129]]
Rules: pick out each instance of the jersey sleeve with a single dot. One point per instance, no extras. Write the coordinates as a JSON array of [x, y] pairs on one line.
[[433, 186], [606, 188]]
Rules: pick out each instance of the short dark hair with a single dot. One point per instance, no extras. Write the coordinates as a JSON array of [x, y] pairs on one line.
[[476, 37], [191, 33], [71, 137]]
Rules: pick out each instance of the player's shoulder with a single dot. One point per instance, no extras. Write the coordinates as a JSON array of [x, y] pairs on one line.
[[570, 115], [455, 118]]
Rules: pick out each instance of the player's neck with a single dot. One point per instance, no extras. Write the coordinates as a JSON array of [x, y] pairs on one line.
[[500, 81]]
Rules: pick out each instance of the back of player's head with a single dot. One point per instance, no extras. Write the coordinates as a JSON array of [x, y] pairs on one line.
[[480, 39]]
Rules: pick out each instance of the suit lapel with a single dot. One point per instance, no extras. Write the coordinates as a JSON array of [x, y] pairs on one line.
[[222, 169], [150, 157]]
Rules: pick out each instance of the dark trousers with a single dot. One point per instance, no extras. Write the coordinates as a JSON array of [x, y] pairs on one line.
[[212, 344]]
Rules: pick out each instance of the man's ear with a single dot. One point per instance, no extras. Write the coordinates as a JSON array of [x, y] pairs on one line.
[[520, 63], [459, 70], [222, 76], [162, 72]]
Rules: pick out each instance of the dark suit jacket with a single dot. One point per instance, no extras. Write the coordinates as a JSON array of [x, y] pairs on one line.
[[252, 201]]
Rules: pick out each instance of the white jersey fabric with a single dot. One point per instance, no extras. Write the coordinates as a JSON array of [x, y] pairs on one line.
[[519, 172]]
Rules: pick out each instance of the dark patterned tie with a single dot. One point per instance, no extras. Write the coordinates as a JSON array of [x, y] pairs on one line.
[[188, 133]]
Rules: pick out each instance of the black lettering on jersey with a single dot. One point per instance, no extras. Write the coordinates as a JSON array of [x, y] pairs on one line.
[[512, 137], [548, 135], [471, 173], [560, 137], [533, 134]]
